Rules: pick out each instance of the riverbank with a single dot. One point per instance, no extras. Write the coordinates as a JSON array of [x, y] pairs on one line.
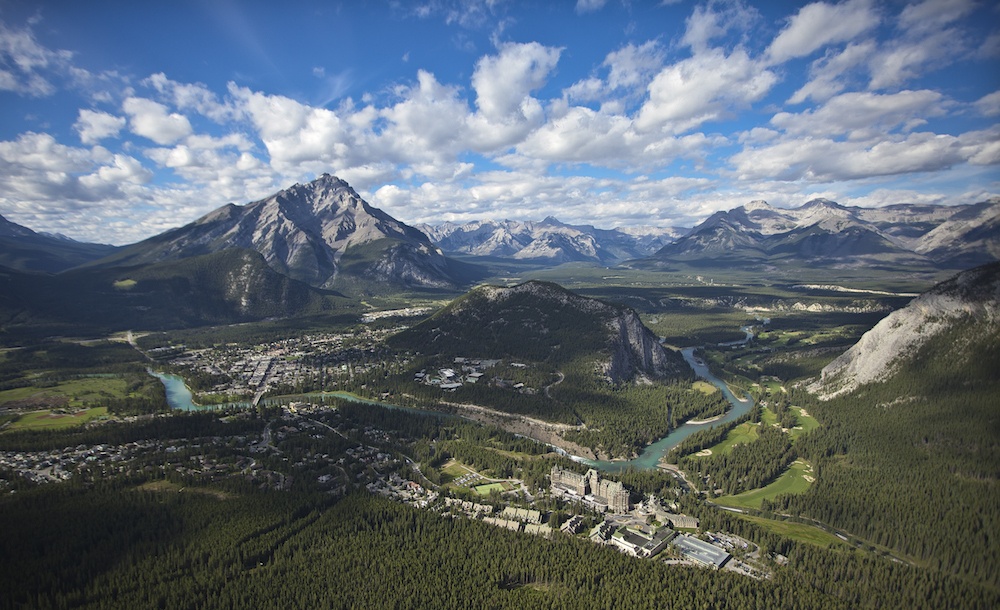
[[540, 430]]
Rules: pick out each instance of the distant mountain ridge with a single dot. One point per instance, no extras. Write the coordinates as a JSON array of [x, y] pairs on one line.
[[310, 232], [26, 250], [825, 232], [548, 240], [971, 298]]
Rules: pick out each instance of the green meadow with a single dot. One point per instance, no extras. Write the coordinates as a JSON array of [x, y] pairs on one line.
[[73, 392], [54, 420], [795, 480]]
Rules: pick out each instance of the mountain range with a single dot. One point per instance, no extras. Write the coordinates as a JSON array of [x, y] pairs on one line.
[[549, 240], [824, 233]]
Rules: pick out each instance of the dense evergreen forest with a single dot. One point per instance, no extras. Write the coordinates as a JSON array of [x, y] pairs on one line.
[[123, 547], [912, 463]]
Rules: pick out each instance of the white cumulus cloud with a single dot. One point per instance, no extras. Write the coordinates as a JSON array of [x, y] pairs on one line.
[[702, 88], [153, 120], [93, 126]]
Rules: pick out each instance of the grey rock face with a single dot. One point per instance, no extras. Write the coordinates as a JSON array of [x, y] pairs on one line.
[[304, 231]]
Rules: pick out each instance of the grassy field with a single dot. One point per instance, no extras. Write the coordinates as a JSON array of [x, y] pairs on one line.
[[807, 421], [704, 387], [795, 480], [49, 420], [767, 417], [484, 490], [74, 392], [746, 432], [797, 531]]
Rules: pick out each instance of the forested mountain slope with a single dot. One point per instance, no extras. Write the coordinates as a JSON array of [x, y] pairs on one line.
[[909, 455]]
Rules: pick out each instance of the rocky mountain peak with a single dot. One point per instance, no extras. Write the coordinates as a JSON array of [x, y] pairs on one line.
[[305, 231], [12, 229], [757, 205]]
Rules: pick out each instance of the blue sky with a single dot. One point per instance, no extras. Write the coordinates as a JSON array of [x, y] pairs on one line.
[[123, 119]]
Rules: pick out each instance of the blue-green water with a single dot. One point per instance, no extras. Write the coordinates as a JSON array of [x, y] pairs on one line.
[[178, 394], [650, 456]]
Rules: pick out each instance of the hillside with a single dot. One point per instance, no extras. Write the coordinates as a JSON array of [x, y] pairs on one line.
[[543, 322], [970, 300], [304, 232], [909, 450], [25, 250], [222, 288]]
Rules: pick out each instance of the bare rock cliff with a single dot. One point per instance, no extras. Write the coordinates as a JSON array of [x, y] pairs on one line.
[[971, 295]]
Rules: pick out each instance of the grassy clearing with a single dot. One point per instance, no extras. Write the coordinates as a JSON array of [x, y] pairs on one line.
[[167, 487], [797, 531], [704, 387], [746, 432], [484, 490], [807, 421], [768, 417], [795, 480], [49, 420], [74, 392], [453, 470]]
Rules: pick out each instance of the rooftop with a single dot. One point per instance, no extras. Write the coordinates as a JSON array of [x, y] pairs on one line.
[[701, 551]]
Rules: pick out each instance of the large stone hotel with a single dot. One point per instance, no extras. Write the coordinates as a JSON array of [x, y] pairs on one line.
[[610, 494]]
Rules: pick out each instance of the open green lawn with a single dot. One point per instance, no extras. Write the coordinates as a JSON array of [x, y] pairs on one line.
[[807, 421], [767, 417], [795, 480], [797, 531], [746, 432], [484, 490], [453, 470], [47, 420], [76, 391]]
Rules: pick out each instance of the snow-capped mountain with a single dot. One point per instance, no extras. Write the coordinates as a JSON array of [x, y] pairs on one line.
[[548, 240], [310, 232]]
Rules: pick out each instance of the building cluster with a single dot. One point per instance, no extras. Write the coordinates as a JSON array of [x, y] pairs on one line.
[[653, 507], [254, 368], [524, 520], [640, 542], [465, 371], [406, 491], [701, 552], [590, 489], [406, 312], [468, 371], [62, 464]]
